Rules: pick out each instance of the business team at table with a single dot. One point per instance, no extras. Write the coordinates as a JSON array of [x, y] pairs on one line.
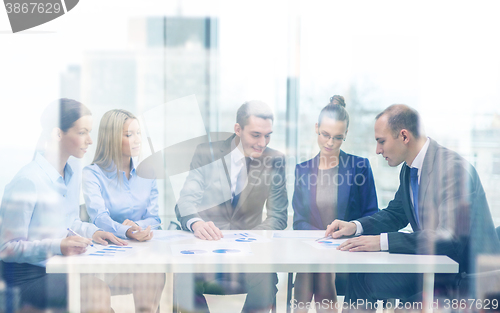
[[229, 184]]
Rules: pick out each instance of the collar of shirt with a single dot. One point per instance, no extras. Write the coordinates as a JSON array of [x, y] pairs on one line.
[[419, 159], [236, 154], [51, 172], [133, 166], [110, 171], [236, 162]]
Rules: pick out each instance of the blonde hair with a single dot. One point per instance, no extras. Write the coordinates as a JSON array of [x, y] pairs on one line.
[[109, 140]]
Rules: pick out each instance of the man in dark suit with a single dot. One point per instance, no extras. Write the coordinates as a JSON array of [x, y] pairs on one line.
[[228, 185], [440, 195]]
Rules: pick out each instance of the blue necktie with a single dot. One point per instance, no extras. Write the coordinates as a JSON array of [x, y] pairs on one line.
[[414, 189], [240, 182]]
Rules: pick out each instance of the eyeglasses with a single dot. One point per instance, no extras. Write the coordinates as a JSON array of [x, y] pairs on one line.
[[328, 137]]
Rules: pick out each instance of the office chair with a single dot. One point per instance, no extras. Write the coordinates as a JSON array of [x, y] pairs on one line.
[[84, 216]]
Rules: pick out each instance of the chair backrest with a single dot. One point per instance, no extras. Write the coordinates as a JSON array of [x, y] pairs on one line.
[[174, 226], [84, 216], [498, 232]]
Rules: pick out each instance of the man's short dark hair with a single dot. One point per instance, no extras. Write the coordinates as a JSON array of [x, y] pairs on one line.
[[401, 116], [255, 108]]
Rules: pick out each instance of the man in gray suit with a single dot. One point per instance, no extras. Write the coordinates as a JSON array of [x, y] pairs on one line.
[[228, 185], [440, 195]]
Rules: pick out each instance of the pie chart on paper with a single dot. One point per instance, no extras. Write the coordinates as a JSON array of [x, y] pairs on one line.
[[245, 240], [226, 251], [193, 251]]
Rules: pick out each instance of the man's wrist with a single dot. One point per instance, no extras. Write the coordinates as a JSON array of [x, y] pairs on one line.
[[193, 226], [359, 228], [384, 242], [190, 223]]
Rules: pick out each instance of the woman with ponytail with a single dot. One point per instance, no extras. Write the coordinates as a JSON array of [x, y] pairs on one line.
[[332, 185]]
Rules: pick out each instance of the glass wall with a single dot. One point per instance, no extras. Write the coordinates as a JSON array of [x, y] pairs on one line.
[[184, 68], [293, 55]]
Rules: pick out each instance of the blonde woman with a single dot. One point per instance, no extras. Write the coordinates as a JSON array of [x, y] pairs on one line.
[[121, 202]]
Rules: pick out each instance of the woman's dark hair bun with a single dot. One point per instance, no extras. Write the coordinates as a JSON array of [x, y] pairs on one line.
[[337, 100]]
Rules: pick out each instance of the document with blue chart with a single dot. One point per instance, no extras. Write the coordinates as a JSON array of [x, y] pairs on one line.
[[326, 243], [212, 249], [242, 237], [111, 251]]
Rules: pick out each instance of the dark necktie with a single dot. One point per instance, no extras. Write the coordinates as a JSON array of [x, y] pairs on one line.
[[414, 189], [240, 182]]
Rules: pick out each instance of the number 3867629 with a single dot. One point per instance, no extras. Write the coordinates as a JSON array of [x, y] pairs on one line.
[[33, 7]]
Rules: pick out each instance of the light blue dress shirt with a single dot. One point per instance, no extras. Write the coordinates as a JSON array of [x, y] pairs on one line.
[[111, 201], [38, 206]]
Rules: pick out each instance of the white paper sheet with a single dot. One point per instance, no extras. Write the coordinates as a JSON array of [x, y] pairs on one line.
[[242, 237], [299, 234], [326, 244], [110, 251], [224, 249], [165, 235]]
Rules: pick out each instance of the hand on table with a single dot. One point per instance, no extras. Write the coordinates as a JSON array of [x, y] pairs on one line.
[[340, 228], [206, 230], [135, 232], [100, 237], [361, 243], [72, 245]]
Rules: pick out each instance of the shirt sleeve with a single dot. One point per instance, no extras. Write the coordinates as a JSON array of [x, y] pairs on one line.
[[151, 216], [384, 242], [19, 202], [359, 228], [86, 230], [192, 221], [96, 206]]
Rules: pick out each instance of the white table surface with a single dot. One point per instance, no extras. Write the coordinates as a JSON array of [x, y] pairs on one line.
[[278, 255]]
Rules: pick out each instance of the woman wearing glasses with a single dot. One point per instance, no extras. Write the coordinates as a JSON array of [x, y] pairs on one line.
[[332, 185]]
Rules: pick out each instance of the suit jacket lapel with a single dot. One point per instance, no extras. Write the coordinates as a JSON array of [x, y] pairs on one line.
[[313, 178], [427, 167], [224, 173], [344, 188]]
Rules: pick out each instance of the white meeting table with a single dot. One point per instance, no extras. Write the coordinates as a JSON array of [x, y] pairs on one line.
[[279, 255]]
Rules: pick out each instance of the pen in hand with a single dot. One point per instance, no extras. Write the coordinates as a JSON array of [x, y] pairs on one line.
[[75, 234], [324, 238]]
